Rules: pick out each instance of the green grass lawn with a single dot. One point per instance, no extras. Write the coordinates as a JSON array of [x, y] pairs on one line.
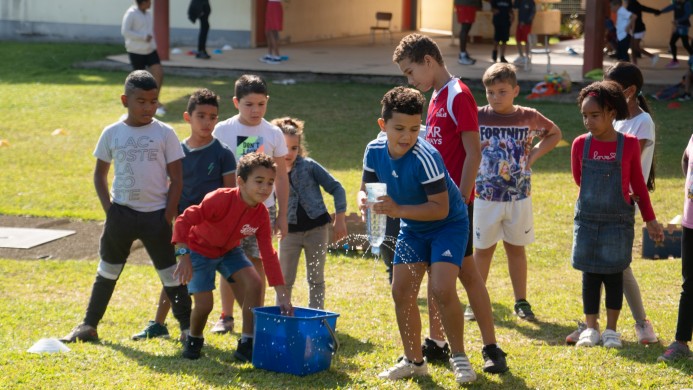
[[45, 175]]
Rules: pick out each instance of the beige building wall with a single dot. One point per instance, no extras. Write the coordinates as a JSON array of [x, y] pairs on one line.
[[227, 14], [312, 20]]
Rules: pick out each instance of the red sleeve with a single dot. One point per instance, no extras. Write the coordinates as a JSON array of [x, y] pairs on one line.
[[636, 180], [576, 159], [466, 111], [270, 261]]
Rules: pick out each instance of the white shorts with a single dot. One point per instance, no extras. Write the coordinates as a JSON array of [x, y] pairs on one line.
[[511, 222], [639, 35]]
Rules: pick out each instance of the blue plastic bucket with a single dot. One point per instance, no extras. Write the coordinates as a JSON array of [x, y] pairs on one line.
[[299, 345]]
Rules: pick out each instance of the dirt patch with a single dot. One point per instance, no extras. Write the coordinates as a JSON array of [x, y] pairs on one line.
[[83, 245]]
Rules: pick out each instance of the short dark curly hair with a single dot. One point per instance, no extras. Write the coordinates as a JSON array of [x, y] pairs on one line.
[[202, 96], [250, 161], [414, 47], [139, 79], [609, 96], [403, 100]]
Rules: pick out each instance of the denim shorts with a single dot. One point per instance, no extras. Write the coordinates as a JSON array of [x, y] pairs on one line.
[[435, 246], [204, 269]]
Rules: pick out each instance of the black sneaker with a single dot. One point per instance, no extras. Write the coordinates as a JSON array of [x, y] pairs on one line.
[[192, 349], [203, 55], [494, 360], [433, 353], [503, 60], [244, 352], [494, 55], [524, 310]]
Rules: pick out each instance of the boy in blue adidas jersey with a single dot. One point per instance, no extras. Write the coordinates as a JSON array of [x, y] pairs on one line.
[[422, 194]]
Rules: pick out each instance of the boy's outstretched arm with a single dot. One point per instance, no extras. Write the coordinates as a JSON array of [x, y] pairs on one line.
[[545, 145], [472, 147], [101, 183], [174, 170], [281, 184]]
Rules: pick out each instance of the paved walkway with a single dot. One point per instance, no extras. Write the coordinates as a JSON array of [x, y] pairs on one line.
[[357, 59]]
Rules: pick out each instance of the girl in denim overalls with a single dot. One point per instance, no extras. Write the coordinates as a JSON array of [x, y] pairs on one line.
[[606, 164], [307, 215]]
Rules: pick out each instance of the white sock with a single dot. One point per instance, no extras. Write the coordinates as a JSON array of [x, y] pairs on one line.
[[245, 337], [440, 343]]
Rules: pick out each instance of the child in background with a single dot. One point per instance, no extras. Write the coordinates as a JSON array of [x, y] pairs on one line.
[[247, 132], [606, 166], [207, 238], [639, 124], [503, 204], [683, 9], [452, 128], [307, 215], [625, 20], [637, 9], [502, 20], [208, 165], [526, 9], [138, 30], [679, 350], [274, 22], [141, 204], [466, 15], [421, 193]]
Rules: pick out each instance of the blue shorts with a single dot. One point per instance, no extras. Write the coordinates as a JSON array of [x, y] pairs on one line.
[[447, 244], [204, 269]]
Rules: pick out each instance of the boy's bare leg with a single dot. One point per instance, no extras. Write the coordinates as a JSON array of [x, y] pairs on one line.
[[443, 276], [227, 296], [260, 269], [406, 282], [479, 300], [204, 301], [482, 260], [162, 308], [249, 281], [517, 267]]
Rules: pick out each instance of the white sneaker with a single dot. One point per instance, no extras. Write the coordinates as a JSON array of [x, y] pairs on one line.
[[654, 59], [464, 373], [519, 60], [645, 333], [404, 369], [469, 314], [611, 339], [588, 338]]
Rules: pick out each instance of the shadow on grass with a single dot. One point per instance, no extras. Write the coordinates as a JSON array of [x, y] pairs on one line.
[[649, 354], [218, 368], [550, 333]]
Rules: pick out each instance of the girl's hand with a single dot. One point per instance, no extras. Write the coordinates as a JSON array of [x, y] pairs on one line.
[[361, 201], [655, 231], [339, 227], [634, 197]]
